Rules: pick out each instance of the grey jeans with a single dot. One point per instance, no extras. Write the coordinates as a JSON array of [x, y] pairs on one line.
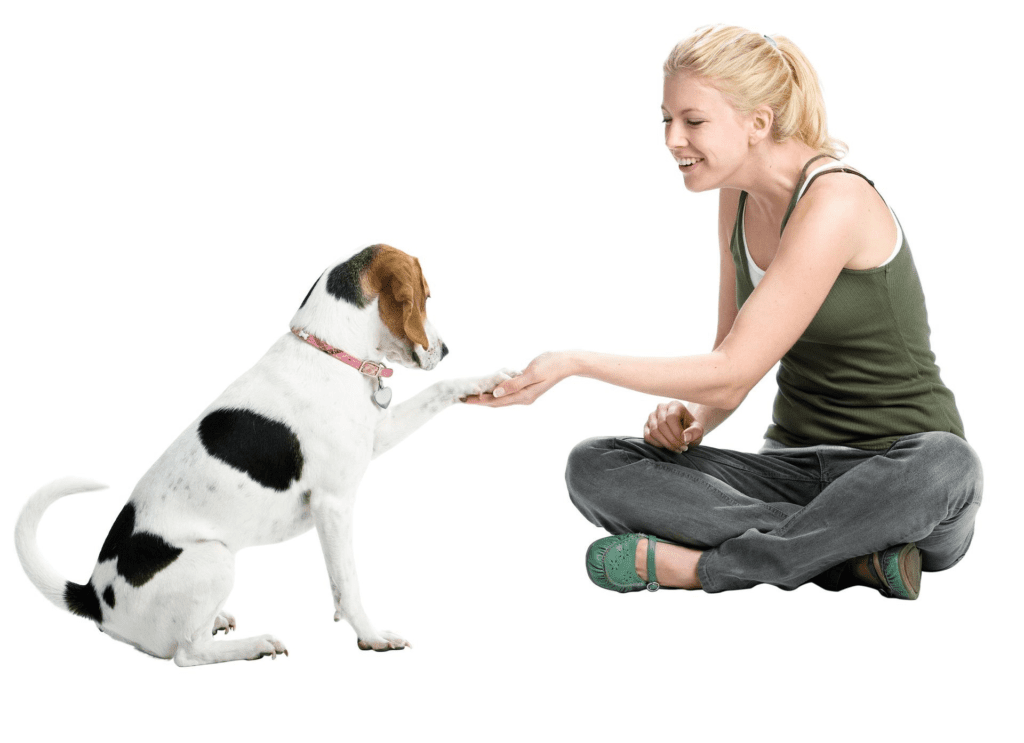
[[783, 516]]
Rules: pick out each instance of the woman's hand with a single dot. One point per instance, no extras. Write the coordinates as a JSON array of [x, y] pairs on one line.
[[543, 373], [671, 426]]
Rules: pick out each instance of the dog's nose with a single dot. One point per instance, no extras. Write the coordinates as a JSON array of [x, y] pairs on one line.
[[444, 350]]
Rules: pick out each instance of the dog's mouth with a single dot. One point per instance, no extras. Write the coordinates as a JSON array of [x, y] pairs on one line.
[[411, 357], [406, 352], [428, 358]]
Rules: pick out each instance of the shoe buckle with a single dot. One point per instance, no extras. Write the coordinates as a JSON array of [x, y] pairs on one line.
[[653, 586]]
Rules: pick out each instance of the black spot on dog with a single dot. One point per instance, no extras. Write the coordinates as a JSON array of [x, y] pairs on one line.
[[343, 281], [145, 556], [264, 449], [108, 596], [306, 299], [140, 555], [119, 533], [83, 601]]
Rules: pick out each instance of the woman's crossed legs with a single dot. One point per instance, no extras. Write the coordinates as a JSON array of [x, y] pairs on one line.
[[782, 516]]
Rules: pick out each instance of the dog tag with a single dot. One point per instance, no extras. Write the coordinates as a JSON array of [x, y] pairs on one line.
[[382, 397]]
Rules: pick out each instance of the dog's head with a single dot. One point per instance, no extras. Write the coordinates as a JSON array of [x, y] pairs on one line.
[[384, 290]]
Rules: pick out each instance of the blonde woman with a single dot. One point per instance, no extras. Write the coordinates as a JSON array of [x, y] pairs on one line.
[[865, 477]]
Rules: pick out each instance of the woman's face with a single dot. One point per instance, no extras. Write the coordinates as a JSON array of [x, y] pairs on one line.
[[708, 138]]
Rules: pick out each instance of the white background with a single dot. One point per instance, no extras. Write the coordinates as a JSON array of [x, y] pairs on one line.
[[175, 175]]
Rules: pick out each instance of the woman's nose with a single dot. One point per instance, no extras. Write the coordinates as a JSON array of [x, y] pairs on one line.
[[674, 137]]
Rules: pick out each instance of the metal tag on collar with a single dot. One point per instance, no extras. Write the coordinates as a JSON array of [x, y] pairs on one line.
[[382, 397]]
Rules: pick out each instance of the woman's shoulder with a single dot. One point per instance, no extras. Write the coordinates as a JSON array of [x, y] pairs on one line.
[[837, 192], [845, 210], [838, 181]]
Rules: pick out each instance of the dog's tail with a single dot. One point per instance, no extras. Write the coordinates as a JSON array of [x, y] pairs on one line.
[[77, 599]]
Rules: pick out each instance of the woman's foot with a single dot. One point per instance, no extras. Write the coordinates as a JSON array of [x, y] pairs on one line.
[[675, 565]]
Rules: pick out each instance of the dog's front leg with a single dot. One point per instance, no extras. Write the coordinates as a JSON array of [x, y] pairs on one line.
[[417, 410], [333, 517]]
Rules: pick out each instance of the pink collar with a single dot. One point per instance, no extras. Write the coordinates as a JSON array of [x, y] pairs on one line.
[[369, 368]]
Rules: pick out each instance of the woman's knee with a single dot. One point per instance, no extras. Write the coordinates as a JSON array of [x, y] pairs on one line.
[[948, 465], [584, 466], [601, 478]]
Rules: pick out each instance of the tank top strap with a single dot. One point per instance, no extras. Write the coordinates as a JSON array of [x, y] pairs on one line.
[[801, 187], [740, 203]]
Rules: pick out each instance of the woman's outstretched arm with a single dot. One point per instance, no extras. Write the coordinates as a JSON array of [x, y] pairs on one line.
[[822, 236]]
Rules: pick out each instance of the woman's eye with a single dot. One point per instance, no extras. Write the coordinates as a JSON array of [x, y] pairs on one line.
[[694, 123], [666, 121]]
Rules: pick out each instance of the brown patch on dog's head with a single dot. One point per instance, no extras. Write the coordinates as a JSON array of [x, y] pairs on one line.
[[397, 280]]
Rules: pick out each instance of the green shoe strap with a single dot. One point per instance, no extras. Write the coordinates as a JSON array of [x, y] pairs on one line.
[[652, 577], [883, 584]]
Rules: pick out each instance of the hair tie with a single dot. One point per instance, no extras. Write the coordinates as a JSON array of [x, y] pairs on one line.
[[770, 40]]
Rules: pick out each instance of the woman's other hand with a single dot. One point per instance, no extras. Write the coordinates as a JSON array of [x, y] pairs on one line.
[[543, 373], [672, 426]]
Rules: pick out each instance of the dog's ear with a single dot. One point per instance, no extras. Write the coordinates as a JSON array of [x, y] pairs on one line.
[[412, 305], [398, 281]]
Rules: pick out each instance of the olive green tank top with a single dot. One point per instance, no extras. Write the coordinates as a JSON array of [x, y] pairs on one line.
[[863, 373]]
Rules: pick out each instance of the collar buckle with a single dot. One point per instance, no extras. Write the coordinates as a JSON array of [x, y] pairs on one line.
[[372, 368]]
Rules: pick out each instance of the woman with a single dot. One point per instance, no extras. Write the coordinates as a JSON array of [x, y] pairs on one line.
[[865, 477]]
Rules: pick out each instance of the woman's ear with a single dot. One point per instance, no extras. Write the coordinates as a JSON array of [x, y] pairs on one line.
[[761, 120]]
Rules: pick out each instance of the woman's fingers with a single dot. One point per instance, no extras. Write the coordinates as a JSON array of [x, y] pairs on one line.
[[693, 434], [651, 438], [522, 389], [543, 373], [658, 432], [670, 422], [512, 386], [671, 426]]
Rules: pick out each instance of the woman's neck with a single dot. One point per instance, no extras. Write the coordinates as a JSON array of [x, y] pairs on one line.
[[772, 175]]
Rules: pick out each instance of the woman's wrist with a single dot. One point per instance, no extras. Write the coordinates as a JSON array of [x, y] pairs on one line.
[[570, 364], [709, 417]]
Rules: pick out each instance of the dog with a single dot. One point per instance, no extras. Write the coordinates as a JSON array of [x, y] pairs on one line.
[[281, 451]]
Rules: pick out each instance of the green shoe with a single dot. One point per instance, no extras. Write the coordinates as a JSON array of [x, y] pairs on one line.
[[894, 572], [611, 563]]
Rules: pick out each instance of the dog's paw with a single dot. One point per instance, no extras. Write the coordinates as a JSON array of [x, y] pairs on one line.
[[268, 645], [485, 384], [224, 621], [383, 642]]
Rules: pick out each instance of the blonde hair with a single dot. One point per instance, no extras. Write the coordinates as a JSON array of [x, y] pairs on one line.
[[752, 70]]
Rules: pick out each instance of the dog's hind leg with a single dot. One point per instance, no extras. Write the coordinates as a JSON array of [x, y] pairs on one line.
[[220, 651], [224, 621], [180, 610]]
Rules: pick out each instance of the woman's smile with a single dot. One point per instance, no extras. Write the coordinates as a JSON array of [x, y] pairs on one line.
[[687, 164]]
